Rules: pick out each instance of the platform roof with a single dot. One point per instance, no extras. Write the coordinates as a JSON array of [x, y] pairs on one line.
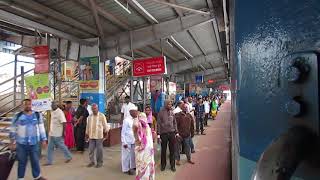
[[193, 42]]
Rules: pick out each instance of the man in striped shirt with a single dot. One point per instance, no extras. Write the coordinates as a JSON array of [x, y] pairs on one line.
[[27, 131]]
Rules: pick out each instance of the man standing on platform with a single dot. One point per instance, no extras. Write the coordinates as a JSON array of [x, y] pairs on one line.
[[57, 133], [179, 107], [125, 108], [167, 132], [80, 124], [96, 131], [185, 125], [199, 113], [128, 141], [190, 110], [26, 132]]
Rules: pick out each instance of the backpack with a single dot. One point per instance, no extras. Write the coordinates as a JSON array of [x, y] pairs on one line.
[[20, 114]]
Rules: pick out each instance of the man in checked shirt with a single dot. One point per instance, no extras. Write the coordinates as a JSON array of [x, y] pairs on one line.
[[199, 114], [26, 133]]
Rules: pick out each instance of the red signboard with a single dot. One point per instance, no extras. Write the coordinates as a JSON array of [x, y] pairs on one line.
[[210, 81], [149, 66], [41, 59], [224, 87]]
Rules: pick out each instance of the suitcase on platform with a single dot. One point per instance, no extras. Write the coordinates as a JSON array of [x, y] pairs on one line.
[[7, 159]]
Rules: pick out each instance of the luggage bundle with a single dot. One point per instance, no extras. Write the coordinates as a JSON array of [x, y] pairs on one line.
[[7, 159]]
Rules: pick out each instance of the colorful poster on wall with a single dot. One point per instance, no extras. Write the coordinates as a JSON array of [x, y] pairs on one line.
[[89, 73], [192, 89], [155, 83], [180, 88], [172, 88], [38, 91], [70, 71], [41, 59]]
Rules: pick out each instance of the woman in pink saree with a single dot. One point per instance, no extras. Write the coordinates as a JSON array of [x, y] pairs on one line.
[[144, 150], [69, 136]]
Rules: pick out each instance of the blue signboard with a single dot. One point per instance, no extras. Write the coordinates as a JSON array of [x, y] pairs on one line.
[[199, 78], [96, 98]]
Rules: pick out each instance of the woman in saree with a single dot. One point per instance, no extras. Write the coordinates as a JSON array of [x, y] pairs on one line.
[[144, 150], [69, 135], [214, 108]]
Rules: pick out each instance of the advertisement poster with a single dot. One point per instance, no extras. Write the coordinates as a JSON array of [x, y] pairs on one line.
[[172, 88], [38, 86], [41, 59], [70, 71], [155, 83], [38, 90], [89, 73], [192, 89], [180, 88]]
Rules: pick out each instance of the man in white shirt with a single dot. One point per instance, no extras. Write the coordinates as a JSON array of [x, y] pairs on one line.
[[190, 110], [96, 131], [128, 141], [206, 111], [56, 134], [125, 108], [179, 107]]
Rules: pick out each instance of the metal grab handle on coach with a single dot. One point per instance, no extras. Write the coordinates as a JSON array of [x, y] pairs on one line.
[[281, 159]]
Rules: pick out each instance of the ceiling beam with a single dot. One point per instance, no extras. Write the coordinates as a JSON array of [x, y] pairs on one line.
[[14, 28], [120, 43], [164, 53], [142, 11], [217, 69], [141, 53], [180, 7], [55, 14], [190, 77], [96, 18], [6, 16], [180, 47], [108, 16], [25, 41], [177, 10], [196, 40], [180, 66]]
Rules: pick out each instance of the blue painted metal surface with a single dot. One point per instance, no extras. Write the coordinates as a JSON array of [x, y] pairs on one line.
[[266, 34]]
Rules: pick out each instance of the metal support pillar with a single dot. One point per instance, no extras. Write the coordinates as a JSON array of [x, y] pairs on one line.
[[15, 81], [59, 72], [131, 89], [144, 92], [22, 83]]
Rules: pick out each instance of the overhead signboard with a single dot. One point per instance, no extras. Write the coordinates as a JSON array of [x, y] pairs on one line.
[[199, 79], [149, 66], [210, 81], [41, 59]]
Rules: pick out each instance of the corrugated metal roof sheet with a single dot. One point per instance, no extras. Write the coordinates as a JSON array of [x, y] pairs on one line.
[[187, 42], [133, 19], [194, 4], [159, 11], [206, 36]]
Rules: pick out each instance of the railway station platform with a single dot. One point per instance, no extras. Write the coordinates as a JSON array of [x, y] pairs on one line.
[[212, 158]]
